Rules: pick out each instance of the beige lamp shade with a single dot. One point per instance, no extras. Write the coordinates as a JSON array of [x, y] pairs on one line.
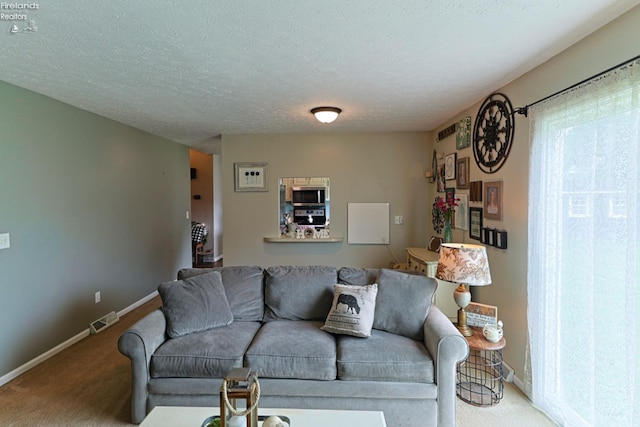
[[464, 263]]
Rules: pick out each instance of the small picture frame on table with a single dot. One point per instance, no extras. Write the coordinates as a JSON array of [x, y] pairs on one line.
[[250, 176], [479, 315]]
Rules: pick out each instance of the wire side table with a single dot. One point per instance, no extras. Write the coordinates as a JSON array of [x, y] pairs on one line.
[[479, 378]]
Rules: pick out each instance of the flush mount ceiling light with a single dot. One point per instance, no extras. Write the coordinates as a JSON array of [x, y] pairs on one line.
[[326, 114]]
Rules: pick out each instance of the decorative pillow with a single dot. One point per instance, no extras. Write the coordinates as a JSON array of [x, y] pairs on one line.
[[195, 304], [357, 276], [352, 310], [242, 286], [403, 302], [298, 292]]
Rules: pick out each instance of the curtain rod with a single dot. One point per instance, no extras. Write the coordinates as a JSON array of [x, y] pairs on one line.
[[525, 110]]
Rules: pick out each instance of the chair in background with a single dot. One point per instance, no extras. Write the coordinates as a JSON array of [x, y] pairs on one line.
[[199, 235]]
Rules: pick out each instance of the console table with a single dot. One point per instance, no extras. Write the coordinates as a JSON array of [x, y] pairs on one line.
[[424, 261]]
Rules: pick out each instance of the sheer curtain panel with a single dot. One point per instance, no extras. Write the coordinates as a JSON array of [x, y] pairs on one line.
[[583, 271]]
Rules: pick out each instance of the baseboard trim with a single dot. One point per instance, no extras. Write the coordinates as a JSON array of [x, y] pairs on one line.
[[510, 377], [68, 343], [520, 384], [138, 303], [44, 356]]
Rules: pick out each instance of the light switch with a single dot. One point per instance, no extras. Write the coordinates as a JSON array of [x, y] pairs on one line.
[[5, 241]]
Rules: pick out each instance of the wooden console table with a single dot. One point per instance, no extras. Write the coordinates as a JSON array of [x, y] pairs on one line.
[[424, 261]]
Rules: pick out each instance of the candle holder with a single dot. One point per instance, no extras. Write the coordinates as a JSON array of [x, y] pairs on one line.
[[239, 384]]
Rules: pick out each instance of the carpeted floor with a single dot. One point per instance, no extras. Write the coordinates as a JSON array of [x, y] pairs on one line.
[[89, 383]]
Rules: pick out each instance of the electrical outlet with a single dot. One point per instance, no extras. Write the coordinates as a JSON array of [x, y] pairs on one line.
[[97, 297], [5, 241]]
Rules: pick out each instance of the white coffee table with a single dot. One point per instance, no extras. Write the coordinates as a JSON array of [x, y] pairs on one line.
[[187, 416]]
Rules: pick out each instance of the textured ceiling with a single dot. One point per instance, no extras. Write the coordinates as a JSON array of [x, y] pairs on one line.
[[193, 70]]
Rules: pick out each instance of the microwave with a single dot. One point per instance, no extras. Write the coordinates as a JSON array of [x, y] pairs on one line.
[[308, 196]]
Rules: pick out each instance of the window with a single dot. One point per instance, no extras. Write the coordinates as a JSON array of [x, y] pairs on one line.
[[583, 280]]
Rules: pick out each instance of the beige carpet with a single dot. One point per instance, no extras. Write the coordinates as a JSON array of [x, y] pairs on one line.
[[88, 384]]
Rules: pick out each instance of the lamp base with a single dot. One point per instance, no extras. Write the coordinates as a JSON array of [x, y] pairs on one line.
[[465, 330], [462, 296]]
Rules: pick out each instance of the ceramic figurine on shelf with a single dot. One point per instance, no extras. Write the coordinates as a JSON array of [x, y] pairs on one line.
[[493, 333], [291, 229]]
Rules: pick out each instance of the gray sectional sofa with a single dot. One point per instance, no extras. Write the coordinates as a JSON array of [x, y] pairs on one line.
[[270, 319]]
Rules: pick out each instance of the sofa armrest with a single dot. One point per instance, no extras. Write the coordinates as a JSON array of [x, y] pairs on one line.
[[139, 343], [447, 346]]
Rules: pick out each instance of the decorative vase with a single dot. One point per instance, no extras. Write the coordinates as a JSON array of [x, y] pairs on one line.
[[447, 237]]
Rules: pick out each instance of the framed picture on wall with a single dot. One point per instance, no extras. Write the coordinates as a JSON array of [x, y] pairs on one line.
[[475, 223], [440, 179], [450, 166], [493, 200], [462, 173], [462, 212], [250, 176], [463, 133], [475, 191], [449, 194]]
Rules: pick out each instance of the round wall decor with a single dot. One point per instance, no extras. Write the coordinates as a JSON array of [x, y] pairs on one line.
[[493, 133]]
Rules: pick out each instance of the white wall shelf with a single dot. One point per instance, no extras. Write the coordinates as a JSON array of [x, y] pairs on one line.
[[336, 239]]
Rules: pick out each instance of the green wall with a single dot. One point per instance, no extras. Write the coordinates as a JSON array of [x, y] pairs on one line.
[[91, 205]]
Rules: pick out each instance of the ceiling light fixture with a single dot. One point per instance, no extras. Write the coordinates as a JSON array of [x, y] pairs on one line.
[[326, 114]]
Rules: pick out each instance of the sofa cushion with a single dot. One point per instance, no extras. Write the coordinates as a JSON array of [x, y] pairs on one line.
[[298, 292], [403, 302], [384, 357], [293, 349], [207, 354], [357, 276], [352, 310], [195, 304], [243, 286]]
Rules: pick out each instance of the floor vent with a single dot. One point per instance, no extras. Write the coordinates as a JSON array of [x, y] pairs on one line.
[[103, 322]]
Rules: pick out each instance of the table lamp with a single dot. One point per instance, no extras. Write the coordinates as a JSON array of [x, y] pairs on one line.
[[467, 265]]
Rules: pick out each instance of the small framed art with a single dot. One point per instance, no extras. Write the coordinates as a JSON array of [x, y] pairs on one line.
[[479, 315], [250, 176], [475, 191], [475, 223], [462, 212], [493, 200], [450, 166], [440, 179], [463, 133], [462, 173]]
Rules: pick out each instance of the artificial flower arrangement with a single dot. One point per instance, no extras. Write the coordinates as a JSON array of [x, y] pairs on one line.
[[443, 210]]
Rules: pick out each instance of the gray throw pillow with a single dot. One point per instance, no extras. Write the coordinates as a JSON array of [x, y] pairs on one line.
[[298, 292], [403, 303], [357, 275], [195, 304], [352, 310]]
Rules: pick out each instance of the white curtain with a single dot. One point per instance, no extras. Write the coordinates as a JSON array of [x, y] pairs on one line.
[[583, 279]]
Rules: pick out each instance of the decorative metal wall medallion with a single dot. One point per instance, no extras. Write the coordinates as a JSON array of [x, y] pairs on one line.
[[493, 133]]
